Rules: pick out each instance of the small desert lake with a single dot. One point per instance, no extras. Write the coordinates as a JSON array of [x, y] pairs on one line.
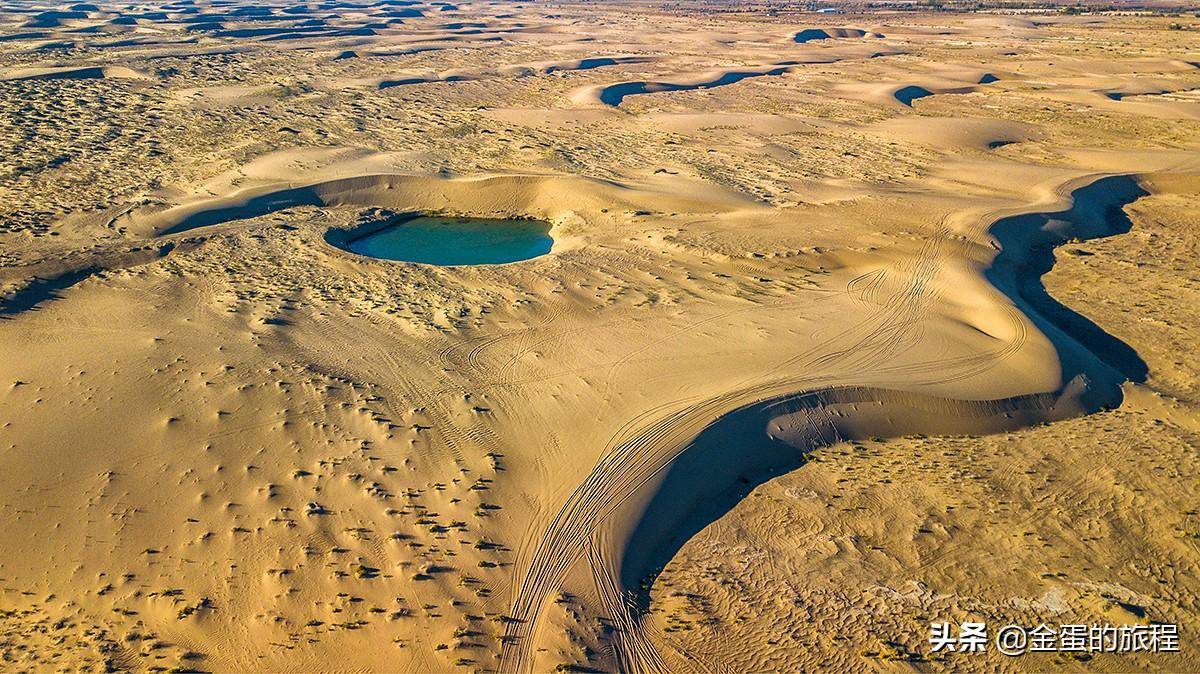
[[456, 241]]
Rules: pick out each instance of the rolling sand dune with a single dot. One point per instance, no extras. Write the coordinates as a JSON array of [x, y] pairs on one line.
[[614, 94], [948, 133], [537, 196], [516, 70], [1152, 97], [905, 94], [837, 332], [73, 73], [667, 474], [810, 34]]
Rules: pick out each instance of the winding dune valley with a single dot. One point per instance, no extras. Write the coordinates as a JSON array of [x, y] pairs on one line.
[[440, 336]]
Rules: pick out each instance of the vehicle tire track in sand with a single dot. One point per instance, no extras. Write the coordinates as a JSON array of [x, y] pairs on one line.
[[630, 463], [865, 287], [633, 462], [636, 653]]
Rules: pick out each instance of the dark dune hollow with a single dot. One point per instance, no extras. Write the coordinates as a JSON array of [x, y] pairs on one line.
[[40, 290], [615, 94], [774, 437], [71, 74], [910, 93], [1097, 212], [811, 34], [251, 208], [368, 191]]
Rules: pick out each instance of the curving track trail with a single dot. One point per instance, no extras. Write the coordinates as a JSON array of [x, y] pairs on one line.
[[807, 400]]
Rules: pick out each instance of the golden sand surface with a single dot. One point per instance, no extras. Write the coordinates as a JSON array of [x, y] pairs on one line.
[[852, 323]]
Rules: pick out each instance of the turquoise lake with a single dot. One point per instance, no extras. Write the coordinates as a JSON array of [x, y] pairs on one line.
[[457, 241]]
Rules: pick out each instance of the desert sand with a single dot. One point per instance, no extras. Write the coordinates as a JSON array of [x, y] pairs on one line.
[[852, 322]]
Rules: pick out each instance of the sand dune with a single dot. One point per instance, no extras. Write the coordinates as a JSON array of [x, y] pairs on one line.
[[587, 63], [474, 74], [664, 475], [810, 34], [546, 197], [614, 94], [1150, 96], [703, 124], [73, 73], [825, 346], [904, 94], [950, 133]]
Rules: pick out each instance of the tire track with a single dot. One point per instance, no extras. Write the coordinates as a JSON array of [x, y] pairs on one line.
[[635, 457], [633, 462]]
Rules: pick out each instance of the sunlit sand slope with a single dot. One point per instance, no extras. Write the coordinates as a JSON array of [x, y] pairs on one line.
[[846, 327]]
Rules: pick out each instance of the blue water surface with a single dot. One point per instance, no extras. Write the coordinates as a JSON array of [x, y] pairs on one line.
[[457, 241]]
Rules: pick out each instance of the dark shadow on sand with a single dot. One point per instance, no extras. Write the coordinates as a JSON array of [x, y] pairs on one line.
[[747, 447]]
